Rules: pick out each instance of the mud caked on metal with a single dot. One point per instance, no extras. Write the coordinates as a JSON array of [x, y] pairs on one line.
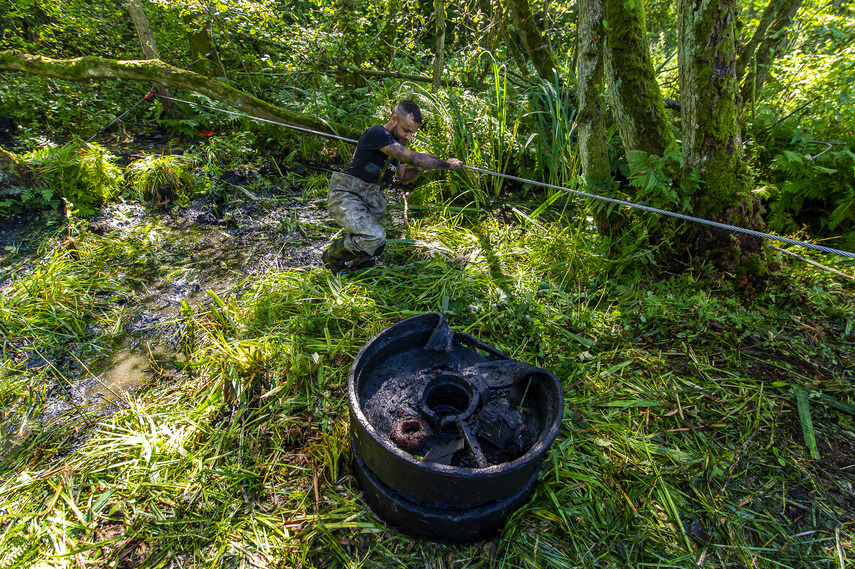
[[448, 433]]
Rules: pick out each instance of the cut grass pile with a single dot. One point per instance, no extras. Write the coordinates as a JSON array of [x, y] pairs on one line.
[[705, 424]]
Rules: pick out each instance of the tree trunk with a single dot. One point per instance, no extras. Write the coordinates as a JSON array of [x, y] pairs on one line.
[[511, 44], [14, 176], [389, 34], [532, 38], [439, 60], [153, 70], [593, 145], [712, 145], [149, 48], [634, 92], [206, 60], [349, 29], [769, 38]]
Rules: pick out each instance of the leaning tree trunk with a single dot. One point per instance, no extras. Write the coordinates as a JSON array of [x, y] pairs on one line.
[[593, 145], [149, 48], [768, 41], [153, 70], [511, 44], [439, 60], [348, 27], [634, 92], [532, 38], [712, 145]]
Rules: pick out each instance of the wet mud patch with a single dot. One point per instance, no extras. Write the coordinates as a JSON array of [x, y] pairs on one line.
[[105, 384], [168, 258]]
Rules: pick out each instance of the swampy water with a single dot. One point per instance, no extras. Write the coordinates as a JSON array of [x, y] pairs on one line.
[[179, 254]]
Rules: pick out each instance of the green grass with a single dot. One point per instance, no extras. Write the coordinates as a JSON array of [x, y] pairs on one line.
[[683, 440]]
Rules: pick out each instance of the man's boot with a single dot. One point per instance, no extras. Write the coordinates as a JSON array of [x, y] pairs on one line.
[[368, 261], [335, 257]]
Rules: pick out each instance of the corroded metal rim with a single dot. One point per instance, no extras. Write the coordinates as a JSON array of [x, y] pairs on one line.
[[394, 481]]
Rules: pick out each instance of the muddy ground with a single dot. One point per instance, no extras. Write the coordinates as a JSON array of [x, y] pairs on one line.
[[210, 244]]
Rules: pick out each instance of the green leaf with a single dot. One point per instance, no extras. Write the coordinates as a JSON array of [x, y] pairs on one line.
[[807, 424]]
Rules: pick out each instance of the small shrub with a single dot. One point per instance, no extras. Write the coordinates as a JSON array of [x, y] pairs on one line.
[[82, 173], [814, 191], [162, 179]]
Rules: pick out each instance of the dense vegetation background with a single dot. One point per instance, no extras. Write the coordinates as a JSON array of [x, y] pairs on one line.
[[709, 399]]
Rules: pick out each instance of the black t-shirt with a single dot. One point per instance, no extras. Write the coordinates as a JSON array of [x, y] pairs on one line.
[[368, 161]]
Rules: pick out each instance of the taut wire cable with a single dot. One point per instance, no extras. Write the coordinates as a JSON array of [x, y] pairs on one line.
[[642, 207]]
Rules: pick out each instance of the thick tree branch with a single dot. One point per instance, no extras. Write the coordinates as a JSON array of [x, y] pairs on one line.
[[152, 70]]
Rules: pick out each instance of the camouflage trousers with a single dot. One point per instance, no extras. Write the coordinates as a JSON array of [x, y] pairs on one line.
[[358, 207]]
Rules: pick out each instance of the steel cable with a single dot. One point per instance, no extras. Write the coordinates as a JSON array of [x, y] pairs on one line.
[[643, 207]]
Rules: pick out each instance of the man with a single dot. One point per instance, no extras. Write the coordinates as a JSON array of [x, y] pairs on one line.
[[355, 198]]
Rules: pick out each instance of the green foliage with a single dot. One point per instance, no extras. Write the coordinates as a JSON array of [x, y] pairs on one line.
[[59, 298], [161, 179], [232, 148], [655, 179], [814, 80], [482, 133], [816, 192], [200, 115], [15, 198], [554, 113], [82, 173], [807, 184]]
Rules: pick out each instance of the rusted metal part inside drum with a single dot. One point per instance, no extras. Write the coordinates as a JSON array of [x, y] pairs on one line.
[[448, 433]]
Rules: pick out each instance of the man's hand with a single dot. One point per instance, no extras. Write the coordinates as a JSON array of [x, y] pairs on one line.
[[454, 163]]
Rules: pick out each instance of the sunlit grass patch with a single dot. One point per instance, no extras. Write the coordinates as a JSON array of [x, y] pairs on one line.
[[681, 443], [161, 179], [57, 300]]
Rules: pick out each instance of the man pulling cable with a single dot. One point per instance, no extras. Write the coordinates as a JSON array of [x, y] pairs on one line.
[[355, 198]]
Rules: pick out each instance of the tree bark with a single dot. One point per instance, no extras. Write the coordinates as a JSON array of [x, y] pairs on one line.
[[769, 38], [634, 92], [149, 48], [389, 34], [532, 39], [14, 176], [511, 44], [439, 60], [349, 29], [88, 68], [205, 57], [712, 145], [593, 145]]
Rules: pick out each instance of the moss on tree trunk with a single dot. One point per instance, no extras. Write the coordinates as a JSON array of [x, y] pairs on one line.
[[206, 60], [532, 38], [712, 145], [635, 95], [89, 68], [593, 144]]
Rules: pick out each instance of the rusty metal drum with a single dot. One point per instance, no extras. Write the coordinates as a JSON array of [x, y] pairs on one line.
[[448, 433]]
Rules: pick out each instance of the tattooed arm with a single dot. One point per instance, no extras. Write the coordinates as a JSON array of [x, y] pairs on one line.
[[413, 163]]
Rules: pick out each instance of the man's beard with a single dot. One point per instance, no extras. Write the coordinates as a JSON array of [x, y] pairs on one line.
[[396, 134]]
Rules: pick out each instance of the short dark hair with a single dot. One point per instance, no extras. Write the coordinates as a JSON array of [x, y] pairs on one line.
[[408, 107]]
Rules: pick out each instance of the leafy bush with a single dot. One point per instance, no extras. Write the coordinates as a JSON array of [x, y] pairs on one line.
[[161, 178], [18, 191], [82, 173], [814, 191], [200, 115]]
